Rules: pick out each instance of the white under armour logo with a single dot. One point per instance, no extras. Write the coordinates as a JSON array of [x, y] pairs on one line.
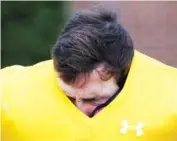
[[126, 127]]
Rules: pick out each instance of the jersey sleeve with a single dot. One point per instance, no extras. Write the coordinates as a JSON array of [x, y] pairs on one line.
[[8, 77]]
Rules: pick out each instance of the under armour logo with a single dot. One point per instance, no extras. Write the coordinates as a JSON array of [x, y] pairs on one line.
[[126, 127]]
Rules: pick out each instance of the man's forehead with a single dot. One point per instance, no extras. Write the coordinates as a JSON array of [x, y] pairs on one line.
[[82, 80], [82, 85], [85, 79], [100, 73]]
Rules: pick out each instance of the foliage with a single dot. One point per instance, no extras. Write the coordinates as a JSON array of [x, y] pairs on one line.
[[29, 29]]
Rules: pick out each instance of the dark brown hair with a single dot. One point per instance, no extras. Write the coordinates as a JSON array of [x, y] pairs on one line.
[[92, 37]]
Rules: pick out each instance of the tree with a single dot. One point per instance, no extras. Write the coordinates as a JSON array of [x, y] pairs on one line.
[[29, 30]]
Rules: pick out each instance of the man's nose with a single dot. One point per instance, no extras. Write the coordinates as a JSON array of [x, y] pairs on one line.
[[78, 102]]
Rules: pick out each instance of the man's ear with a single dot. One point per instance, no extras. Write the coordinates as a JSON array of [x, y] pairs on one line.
[[104, 71]]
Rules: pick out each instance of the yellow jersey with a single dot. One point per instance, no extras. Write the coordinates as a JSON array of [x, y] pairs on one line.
[[34, 108]]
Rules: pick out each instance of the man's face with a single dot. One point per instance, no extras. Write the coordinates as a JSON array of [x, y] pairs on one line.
[[87, 96]]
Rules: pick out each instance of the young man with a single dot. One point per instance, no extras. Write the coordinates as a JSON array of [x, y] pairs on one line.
[[96, 88]]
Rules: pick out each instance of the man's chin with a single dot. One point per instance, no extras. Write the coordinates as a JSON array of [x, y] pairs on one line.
[[98, 111], [93, 114]]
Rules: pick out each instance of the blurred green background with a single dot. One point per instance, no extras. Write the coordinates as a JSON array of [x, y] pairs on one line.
[[29, 29]]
